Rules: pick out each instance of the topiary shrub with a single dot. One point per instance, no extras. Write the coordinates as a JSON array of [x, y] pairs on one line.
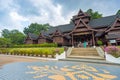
[[99, 42], [32, 51], [35, 45]]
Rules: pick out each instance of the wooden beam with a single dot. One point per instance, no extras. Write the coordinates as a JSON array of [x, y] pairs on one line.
[[83, 33], [93, 38], [72, 40], [112, 26], [81, 30]]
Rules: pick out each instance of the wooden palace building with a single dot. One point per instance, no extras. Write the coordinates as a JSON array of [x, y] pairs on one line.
[[82, 28]]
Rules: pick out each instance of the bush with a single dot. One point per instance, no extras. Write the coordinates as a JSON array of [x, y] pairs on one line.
[[32, 51], [113, 50], [35, 45], [4, 51], [99, 42]]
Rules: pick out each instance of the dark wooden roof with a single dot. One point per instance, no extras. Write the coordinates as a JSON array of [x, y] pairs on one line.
[[62, 28], [95, 23], [32, 36], [46, 35], [102, 22], [98, 34], [112, 36]]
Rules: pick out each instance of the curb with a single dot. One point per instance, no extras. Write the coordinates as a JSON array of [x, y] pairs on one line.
[[109, 63], [28, 57]]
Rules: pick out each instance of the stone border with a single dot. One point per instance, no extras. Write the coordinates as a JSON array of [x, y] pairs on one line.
[[111, 58], [29, 57]]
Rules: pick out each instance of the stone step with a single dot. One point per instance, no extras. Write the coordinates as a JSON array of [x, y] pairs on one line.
[[87, 53], [85, 57], [84, 52], [84, 49], [90, 61]]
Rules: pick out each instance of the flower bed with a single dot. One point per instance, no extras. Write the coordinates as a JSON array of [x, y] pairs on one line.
[[32, 51], [113, 50], [112, 54]]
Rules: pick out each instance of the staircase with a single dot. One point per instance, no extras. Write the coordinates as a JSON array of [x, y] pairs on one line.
[[84, 52], [84, 55]]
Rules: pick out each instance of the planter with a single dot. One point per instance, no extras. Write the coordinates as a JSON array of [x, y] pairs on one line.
[[41, 55], [61, 56], [46, 55], [111, 58], [53, 55]]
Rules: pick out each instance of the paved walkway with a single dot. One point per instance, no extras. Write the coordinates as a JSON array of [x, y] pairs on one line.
[[59, 70], [31, 68]]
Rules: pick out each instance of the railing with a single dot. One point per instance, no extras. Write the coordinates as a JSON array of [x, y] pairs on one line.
[[68, 52], [100, 51]]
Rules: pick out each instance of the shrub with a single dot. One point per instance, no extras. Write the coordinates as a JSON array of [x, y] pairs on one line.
[[99, 42], [32, 51], [113, 50], [4, 50], [35, 45]]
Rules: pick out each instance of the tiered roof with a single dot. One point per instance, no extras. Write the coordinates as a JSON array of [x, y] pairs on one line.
[[94, 24]]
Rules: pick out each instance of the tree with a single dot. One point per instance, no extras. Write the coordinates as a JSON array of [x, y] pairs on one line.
[[15, 36], [94, 15], [118, 12], [4, 42], [36, 28], [5, 33]]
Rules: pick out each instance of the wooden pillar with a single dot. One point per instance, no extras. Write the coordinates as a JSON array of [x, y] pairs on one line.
[[72, 40], [93, 38]]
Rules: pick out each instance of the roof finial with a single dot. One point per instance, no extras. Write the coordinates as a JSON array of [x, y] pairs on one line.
[[80, 11]]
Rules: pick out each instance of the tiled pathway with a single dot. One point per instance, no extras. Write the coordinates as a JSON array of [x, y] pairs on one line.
[[59, 70]]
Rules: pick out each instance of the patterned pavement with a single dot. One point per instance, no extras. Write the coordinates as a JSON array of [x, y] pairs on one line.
[[59, 70]]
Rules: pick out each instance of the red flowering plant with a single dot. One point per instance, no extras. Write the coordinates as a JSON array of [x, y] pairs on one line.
[[113, 50]]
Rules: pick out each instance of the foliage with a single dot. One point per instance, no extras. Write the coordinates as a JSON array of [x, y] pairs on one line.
[[113, 50], [35, 45], [94, 15], [31, 51], [4, 42], [14, 36], [36, 28], [99, 42], [6, 33], [118, 12]]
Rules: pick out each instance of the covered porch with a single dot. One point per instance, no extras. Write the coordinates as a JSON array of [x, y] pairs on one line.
[[78, 39]]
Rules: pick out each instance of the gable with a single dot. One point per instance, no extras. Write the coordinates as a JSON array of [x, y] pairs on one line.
[[115, 25]]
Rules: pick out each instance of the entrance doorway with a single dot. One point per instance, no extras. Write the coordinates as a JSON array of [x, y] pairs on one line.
[[78, 40]]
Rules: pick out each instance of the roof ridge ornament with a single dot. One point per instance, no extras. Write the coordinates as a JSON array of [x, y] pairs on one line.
[[80, 11]]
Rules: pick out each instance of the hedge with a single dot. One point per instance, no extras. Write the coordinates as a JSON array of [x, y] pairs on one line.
[[35, 45], [32, 51]]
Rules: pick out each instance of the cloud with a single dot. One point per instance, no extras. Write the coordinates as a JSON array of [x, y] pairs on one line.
[[16, 17], [17, 14], [50, 13]]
